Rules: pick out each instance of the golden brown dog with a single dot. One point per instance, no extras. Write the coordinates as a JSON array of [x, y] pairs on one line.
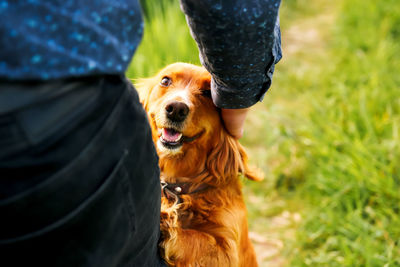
[[203, 215]]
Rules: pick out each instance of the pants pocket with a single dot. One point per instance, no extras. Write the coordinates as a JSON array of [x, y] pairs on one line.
[[94, 234]]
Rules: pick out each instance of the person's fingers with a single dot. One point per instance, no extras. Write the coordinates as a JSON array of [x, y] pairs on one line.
[[234, 121]]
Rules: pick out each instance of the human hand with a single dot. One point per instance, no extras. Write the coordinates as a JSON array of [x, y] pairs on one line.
[[234, 121]]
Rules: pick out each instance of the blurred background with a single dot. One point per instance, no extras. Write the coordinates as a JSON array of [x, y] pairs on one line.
[[327, 134]]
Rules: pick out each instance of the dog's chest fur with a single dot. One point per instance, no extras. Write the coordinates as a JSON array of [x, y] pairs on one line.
[[202, 208]]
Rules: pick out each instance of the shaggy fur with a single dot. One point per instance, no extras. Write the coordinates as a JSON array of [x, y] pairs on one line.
[[208, 228]]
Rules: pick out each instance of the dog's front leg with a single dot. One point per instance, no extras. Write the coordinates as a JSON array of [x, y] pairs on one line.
[[187, 247]]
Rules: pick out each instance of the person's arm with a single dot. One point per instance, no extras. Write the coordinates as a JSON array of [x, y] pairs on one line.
[[239, 44]]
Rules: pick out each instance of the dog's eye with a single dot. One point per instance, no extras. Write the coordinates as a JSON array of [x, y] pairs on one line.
[[206, 93], [165, 81]]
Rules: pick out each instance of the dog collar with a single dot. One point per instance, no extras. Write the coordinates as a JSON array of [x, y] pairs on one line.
[[174, 191]]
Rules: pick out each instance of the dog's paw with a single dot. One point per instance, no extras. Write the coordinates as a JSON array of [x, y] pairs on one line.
[[168, 218]]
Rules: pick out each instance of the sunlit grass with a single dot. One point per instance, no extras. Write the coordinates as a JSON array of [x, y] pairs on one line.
[[166, 40], [353, 179]]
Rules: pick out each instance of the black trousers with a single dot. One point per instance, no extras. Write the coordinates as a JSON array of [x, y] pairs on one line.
[[79, 180]]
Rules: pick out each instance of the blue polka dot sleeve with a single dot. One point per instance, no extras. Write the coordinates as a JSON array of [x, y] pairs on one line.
[[50, 39], [239, 43]]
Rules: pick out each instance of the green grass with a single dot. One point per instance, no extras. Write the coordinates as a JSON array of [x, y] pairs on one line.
[[166, 40], [327, 135], [352, 185]]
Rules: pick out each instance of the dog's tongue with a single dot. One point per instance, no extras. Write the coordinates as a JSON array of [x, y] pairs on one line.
[[171, 135]]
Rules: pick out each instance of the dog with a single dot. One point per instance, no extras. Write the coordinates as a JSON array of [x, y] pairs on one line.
[[203, 214]]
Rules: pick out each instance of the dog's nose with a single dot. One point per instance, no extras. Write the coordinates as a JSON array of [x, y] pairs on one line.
[[176, 111]]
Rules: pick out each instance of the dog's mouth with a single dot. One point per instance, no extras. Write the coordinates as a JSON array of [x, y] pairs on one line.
[[172, 139]]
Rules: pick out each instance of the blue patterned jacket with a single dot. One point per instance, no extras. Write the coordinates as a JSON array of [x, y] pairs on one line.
[[239, 41]]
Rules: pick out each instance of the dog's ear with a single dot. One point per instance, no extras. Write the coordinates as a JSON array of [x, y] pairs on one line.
[[248, 171], [228, 159], [206, 81], [143, 87]]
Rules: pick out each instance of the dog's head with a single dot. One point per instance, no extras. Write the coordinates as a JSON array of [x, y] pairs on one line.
[[186, 125]]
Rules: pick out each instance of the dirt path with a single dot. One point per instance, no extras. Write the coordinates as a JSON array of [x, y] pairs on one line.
[[304, 41], [270, 244]]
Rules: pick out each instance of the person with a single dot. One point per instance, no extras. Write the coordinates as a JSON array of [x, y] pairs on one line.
[[239, 44], [79, 182]]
